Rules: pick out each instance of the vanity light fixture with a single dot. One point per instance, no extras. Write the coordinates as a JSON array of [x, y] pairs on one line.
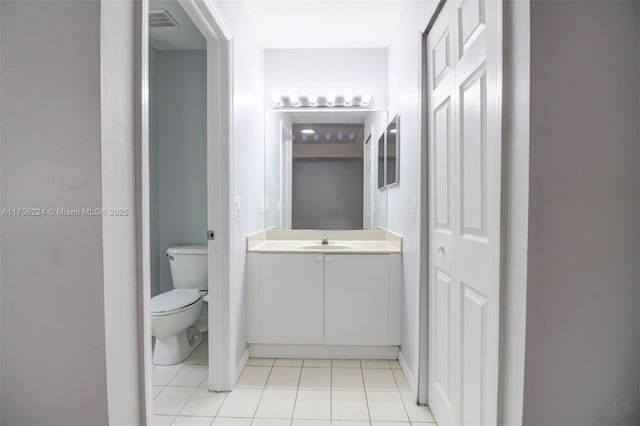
[[364, 101], [276, 100], [331, 100], [348, 100]]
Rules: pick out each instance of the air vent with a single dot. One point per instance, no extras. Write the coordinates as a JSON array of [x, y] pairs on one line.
[[159, 18]]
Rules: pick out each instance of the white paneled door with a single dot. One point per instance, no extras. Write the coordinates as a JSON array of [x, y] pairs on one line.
[[464, 90]]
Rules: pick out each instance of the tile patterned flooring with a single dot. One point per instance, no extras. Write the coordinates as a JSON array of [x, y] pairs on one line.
[[288, 392]]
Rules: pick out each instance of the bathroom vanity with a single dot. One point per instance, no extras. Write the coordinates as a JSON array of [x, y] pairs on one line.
[[340, 299]]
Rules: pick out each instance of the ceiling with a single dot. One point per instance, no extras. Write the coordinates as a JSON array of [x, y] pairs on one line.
[[285, 24], [184, 37]]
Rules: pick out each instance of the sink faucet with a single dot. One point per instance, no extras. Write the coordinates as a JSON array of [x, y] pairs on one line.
[[325, 238]]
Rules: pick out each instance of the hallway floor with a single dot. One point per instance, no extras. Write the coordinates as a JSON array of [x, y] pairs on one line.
[[288, 392]]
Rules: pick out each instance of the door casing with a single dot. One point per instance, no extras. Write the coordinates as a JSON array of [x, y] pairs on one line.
[[208, 18]]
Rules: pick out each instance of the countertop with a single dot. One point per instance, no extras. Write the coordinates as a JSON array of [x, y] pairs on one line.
[[308, 241]]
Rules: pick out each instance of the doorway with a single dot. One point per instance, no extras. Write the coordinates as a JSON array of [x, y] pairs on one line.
[[461, 193], [205, 28]]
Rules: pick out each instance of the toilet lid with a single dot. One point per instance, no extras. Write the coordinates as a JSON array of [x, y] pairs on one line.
[[174, 299]]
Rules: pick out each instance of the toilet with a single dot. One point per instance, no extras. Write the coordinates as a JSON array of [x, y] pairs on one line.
[[174, 313]]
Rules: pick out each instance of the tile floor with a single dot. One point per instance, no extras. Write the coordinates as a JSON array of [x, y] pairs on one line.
[[291, 392]]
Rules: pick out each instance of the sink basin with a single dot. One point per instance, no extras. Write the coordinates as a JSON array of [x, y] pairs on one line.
[[324, 247]]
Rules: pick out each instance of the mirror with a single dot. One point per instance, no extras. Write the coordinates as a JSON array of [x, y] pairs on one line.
[[321, 170], [391, 151]]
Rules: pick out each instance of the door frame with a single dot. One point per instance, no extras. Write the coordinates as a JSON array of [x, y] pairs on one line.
[[208, 18], [423, 344]]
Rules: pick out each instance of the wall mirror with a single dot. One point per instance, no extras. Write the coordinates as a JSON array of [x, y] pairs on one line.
[[322, 170], [391, 152]]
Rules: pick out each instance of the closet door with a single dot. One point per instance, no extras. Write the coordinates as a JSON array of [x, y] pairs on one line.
[[464, 106]]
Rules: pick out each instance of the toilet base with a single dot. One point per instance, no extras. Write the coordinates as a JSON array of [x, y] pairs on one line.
[[175, 349]]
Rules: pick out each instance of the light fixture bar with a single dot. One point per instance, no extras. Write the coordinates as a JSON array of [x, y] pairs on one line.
[[328, 101]]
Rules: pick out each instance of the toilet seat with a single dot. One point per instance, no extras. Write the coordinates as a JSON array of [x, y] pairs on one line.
[[173, 301]]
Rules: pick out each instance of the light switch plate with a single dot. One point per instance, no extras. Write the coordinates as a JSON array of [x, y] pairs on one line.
[[236, 205]]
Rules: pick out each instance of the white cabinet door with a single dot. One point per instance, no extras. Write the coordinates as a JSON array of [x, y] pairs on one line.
[[356, 299], [290, 299]]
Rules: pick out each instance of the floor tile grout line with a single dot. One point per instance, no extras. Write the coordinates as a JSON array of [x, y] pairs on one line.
[[295, 400], [366, 397], [330, 391], [175, 374], [406, 412], [221, 404], [261, 394]]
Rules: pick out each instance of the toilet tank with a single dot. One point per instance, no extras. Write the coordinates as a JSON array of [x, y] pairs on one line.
[[188, 266]]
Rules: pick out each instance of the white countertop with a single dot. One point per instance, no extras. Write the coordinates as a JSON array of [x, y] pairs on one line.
[[346, 242]]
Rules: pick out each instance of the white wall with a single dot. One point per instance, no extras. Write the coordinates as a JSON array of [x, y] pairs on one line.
[[118, 191], [53, 323], [583, 296], [180, 148], [405, 56], [325, 71], [248, 152]]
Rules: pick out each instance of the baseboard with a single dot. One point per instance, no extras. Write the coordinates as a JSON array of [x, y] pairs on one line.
[[409, 375], [244, 359], [323, 351]]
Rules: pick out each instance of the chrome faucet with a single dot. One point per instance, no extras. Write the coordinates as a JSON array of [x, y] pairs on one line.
[[325, 238]]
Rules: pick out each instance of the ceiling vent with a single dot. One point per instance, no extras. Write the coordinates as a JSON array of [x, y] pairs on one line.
[[161, 18]]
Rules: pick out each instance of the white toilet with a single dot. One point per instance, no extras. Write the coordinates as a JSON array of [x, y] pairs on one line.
[[174, 313]]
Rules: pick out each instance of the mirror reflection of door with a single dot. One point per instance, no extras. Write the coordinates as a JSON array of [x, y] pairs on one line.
[[327, 176], [368, 173], [381, 162], [283, 204]]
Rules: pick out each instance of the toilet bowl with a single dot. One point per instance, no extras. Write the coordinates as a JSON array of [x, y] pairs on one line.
[[174, 313]]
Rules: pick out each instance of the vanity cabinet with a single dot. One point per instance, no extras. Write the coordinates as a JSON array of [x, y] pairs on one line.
[[324, 299], [356, 299], [289, 299]]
